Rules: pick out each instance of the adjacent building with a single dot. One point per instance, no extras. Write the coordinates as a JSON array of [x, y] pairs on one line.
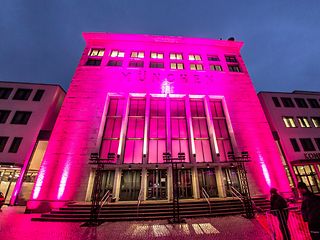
[[27, 115], [294, 120], [135, 98]]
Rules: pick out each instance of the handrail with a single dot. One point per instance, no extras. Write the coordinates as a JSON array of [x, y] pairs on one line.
[[236, 193], [140, 199], [103, 201], [206, 196]]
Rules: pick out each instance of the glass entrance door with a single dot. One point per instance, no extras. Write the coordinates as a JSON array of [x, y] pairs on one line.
[[207, 180], [157, 184], [8, 178], [185, 183], [231, 178], [130, 185], [107, 181]]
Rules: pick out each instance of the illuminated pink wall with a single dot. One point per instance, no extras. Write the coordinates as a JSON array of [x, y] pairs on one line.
[[65, 171]]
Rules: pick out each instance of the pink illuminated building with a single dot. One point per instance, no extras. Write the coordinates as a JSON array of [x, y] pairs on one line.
[[139, 96]]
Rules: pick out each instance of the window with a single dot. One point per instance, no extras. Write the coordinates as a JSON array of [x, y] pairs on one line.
[[307, 144], [287, 102], [22, 94], [317, 140], [213, 58], [301, 103], [3, 142], [194, 57], [15, 144], [116, 53], [176, 56], [4, 114], [136, 64], [155, 55], [96, 52], [231, 59], [156, 65], [216, 68], [308, 175], [93, 62], [313, 103], [196, 66], [295, 145], [21, 117], [5, 93], [37, 97], [276, 101], [316, 121], [176, 66], [289, 122], [234, 68], [115, 63], [303, 121], [137, 55]]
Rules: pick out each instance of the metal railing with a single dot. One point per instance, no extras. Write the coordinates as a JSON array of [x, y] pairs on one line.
[[103, 201], [239, 196], [140, 199], [206, 196]]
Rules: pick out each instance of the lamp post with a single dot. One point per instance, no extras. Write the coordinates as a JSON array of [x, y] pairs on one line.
[[175, 201]]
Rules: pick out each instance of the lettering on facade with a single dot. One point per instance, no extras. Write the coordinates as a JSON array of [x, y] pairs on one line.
[[311, 156]]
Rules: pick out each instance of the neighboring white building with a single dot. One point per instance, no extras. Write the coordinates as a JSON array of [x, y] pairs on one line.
[[294, 119], [28, 112]]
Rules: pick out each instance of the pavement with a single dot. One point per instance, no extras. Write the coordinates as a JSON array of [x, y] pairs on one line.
[[14, 224]]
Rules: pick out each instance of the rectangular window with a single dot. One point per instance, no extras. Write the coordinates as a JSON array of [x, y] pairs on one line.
[[317, 140], [198, 67], [4, 114], [116, 53], [308, 175], [295, 145], [95, 52], [3, 142], [316, 121], [5, 93], [215, 67], [114, 63], [137, 54], [231, 59], [156, 65], [22, 94], [15, 145], [234, 68], [313, 103], [176, 66], [289, 122], [213, 58], [194, 57], [21, 117], [301, 103], [176, 56], [136, 64], [93, 62], [307, 144], [156, 55], [37, 97], [303, 121], [287, 102], [276, 101]]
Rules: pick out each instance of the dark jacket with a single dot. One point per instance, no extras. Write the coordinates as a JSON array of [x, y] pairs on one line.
[[310, 210], [278, 202]]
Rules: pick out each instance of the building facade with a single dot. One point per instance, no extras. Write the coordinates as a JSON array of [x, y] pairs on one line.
[[294, 119], [27, 115], [137, 97]]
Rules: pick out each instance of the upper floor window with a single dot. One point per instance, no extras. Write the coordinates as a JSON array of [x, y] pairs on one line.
[[93, 62], [307, 144], [301, 103], [136, 54], [176, 66], [3, 142], [95, 52], [215, 67], [231, 59], [317, 140], [4, 114], [276, 101], [289, 122], [194, 57], [116, 53], [303, 121], [5, 93], [15, 144], [213, 58], [313, 103], [21, 117], [196, 67], [176, 56], [156, 55], [316, 121], [115, 63], [136, 64], [287, 102], [22, 94], [295, 145], [234, 68], [156, 65], [37, 97]]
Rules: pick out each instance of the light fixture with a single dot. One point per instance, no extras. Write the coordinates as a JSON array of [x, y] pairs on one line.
[[156, 166], [129, 167], [208, 166], [182, 166]]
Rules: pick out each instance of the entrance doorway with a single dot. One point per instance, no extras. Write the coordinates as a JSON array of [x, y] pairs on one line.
[[231, 178], [157, 184], [8, 178], [207, 180], [185, 183], [130, 185], [107, 181]]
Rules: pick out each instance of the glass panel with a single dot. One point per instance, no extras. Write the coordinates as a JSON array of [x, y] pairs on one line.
[[157, 184], [207, 180], [130, 185]]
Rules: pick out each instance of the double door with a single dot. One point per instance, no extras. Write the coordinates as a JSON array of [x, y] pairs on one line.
[[207, 181], [157, 184], [130, 185]]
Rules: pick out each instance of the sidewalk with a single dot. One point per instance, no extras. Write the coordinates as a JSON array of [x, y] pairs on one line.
[[15, 225]]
